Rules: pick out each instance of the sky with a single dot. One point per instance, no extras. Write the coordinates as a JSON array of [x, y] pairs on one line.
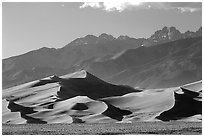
[[32, 25]]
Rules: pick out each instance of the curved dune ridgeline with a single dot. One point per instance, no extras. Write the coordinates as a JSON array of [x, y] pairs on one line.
[[188, 103], [81, 97]]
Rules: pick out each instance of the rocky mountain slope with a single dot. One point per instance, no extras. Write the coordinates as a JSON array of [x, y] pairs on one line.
[[164, 65], [47, 61], [90, 50]]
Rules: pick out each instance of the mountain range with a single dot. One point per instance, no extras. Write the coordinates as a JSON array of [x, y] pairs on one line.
[[168, 34], [167, 58]]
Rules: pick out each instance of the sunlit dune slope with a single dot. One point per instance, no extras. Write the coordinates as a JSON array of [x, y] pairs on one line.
[[81, 97]]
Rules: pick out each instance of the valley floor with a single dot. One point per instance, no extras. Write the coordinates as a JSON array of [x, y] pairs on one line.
[[174, 127]]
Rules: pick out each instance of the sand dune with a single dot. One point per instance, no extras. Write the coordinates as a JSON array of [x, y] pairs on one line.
[[196, 86], [81, 97]]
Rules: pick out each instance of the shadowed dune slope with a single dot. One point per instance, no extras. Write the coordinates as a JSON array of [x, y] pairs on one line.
[[188, 103], [81, 97]]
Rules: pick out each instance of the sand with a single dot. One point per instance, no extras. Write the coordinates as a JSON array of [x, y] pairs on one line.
[[83, 98]]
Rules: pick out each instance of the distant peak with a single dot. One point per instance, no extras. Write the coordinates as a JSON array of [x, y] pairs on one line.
[[123, 37], [88, 39], [165, 28], [90, 36], [200, 29], [106, 36], [172, 28]]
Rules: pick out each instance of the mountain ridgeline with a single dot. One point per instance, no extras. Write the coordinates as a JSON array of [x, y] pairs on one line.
[[167, 58]]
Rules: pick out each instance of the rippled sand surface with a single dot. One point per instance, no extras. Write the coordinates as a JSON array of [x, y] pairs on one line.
[[83, 98]]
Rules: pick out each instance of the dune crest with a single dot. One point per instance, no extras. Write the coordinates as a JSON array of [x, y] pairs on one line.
[[81, 97]]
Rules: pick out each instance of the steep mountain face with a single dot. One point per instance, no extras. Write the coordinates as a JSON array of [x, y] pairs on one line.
[[112, 55], [165, 65], [168, 34]]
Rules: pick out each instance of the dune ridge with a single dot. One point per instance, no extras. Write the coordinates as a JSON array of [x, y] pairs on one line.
[[81, 97]]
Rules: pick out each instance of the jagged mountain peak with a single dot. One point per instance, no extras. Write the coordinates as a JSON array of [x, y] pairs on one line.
[[166, 33]]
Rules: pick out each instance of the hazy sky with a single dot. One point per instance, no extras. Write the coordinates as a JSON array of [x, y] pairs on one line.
[[29, 26]]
